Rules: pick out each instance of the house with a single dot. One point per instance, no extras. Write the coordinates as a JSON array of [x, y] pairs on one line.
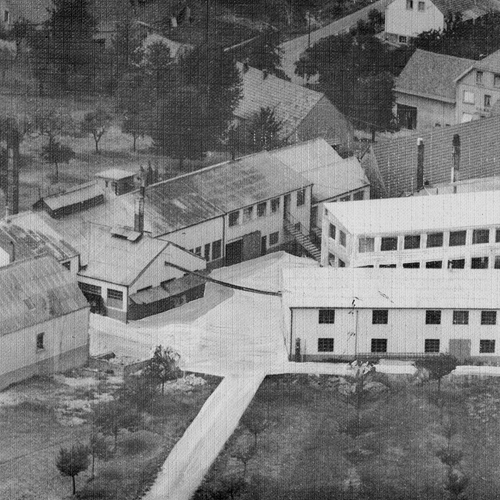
[[458, 231], [27, 235], [44, 320], [76, 199], [391, 165], [333, 177], [362, 313], [304, 113], [116, 181], [425, 91], [406, 19]]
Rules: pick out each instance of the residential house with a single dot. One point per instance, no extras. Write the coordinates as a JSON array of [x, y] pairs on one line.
[[406, 19], [458, 231], [361, 313], [44, 320], [425, 91], [391, 165], [333, 178], [304, 113]]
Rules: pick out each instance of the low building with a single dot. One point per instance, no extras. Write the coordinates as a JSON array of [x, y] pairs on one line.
[[44, 320], [116, 181], [363, 313], [458, 231]]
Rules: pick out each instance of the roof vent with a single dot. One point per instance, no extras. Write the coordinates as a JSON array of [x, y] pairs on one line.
[[265, 74]]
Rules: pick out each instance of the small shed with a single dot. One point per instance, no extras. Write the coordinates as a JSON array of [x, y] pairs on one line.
[[116, 181]]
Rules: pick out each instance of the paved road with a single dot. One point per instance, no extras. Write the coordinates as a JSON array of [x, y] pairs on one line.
[[293, 49]]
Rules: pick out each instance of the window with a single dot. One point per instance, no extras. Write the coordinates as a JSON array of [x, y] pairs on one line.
[[433, 317], [411, 265], [359, 195], [325, 345], [366, 245], [331, 259], [90, 289], [496, 80], [275, 205], [486, 346], [342, 238], [115, 298], [326, 316], [497, 262], [468, 97], [497, 236], [403, 39], [421, 6], [261, 209], [387, 265], [389, 243], [207, 251], [301, 197], [197, 251], [274, 238], [67, 265], [487, 100], [479, 77], [488, 317], [345, 198], [412, 242], [479, 263], [380, 316], [434, 264], [332, 230], [409, 4], [457, 238], [39, 341], [460, 317], [456, 264], [216, 249], [6, 16], [247, 214], [234, 218], [341, 263], [434, 240], [431, 345], [379, 345], [480, 236]]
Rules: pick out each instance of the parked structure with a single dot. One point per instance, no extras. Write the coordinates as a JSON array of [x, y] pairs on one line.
[[406, 19], [362, 313], [43, 320], [458, 231]]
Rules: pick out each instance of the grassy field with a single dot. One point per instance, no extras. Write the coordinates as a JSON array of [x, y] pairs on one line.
[[40, 416], [411, 443]]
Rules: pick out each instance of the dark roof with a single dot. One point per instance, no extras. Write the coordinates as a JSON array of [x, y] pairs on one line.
[[490, 63], [396, 159], [34, 291], [432, 75], [77, 194], [474, 8]]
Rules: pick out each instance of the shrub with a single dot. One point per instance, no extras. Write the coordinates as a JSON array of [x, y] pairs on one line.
[[137, 443], [35, 407]]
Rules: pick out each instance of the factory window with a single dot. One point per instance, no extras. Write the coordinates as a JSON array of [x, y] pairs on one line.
[[345, 198], [434, 264], [274, 238], [479, 263], [488, 317], [387, 266], [389, 243], [326, 316], [366, 245], [411, 265], [486, 346], [460, 317], [216, 249], [332, 231], [197, 251], [40, 341], [325, 345], [412, 242], [434, 240], [261, 209], [480, 236], [342, 238], [359, 195], [433, 317], [380, 316], [497, 236], [456, 264], [115, 298], [207, 251], [379, 345], [457, 238], [247, 214], [301, 197], [275, 205], [431, 345], [234, 218]]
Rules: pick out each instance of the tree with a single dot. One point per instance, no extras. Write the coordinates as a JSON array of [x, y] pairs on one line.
[[438, 366], [163, 366], [244, 452], [159, 66], [72, 461], [256, 423], [98, 448], [263, 131], [54, 152], [96, 123]]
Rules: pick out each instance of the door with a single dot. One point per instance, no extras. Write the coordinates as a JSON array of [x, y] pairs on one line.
[[251, 245], [263, 245], [407, 116], [460, 348], [234, 252]]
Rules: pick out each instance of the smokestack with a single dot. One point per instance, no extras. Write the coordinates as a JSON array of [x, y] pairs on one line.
[[456, 160], [139, 209], [420, 164], [12, 181], [12, 256]]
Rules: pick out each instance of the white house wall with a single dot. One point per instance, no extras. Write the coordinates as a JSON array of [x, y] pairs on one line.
[[410, 23], [430, 112]]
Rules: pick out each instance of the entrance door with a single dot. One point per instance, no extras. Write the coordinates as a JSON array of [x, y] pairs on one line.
[[263, 245], [460, 348], [234, 252]]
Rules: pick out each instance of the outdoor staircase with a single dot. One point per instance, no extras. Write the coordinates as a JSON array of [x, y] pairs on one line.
[[301, 236]]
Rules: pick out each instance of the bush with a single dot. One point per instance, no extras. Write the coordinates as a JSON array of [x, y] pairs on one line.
[[138, 442], [35, 407]]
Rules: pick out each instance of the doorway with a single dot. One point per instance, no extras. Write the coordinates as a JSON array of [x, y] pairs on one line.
[[460, 348], [234, 252]]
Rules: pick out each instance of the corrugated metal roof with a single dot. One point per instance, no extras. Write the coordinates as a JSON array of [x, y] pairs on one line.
[[32, 237], [318, 162], [34, 291], [78, 194], [392, 288]]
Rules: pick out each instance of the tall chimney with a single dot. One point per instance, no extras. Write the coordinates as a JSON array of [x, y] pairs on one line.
[[456, 160], [12, 182], [139, 209], [12, 256], [420, 164]]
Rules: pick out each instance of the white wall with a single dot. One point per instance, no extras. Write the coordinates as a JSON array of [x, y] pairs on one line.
[[405, 22], [104, 291]]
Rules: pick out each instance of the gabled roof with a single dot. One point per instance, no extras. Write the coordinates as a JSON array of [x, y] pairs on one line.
[[34, 291], [32, 237], [291, 103], [390, 289], [396, 159], [77, 194], [330, 174], [470, 9], [428, 74]]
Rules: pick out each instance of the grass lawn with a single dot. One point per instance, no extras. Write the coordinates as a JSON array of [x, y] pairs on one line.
[[41, 415], [307, 446]]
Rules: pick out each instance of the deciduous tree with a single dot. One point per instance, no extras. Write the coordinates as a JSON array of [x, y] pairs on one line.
[[163, 366], [72, 461], [96, 123], [55, 153]]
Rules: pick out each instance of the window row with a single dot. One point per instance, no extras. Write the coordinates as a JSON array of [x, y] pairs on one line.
[[421, 5], [486, 346], [204, 251], [480, 79], [470, 98], [357, 196], [475, 263], [432, 317], [341, 236]]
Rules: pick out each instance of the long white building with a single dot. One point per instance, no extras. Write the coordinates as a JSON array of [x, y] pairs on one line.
[[459, 231], [344, 313]]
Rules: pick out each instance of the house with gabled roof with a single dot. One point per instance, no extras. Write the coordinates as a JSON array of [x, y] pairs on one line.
[[44, 320]]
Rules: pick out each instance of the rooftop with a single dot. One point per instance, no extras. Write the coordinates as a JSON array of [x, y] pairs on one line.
[[433, 75], [34, 291], [77, 194], [470, 9], [390, 289], [490, 63], [419, 213], [115, 174], [318, 162], [486, 184]]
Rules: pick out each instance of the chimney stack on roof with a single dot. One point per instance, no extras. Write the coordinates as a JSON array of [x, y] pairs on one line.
[[12, 180], [456, 160], [139, 209], [12, 256], [420, 164], [265, 73]]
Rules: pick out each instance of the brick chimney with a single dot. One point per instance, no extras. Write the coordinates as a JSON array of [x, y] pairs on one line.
[[456, 160], [139, 209], [420, 164]]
